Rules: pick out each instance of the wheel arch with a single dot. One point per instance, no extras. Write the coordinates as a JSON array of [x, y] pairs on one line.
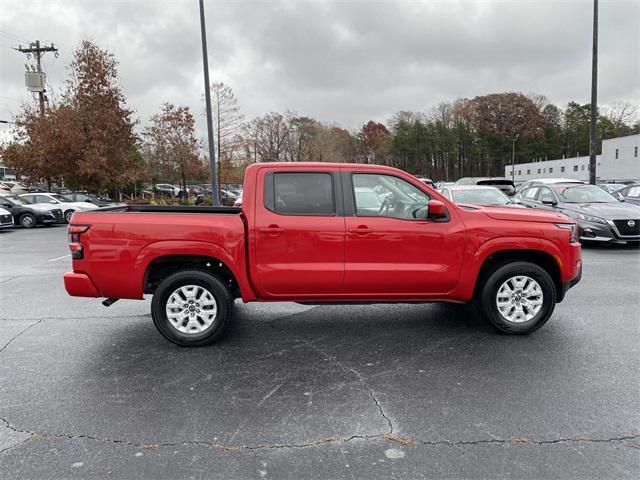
[[160, 259], [536, 256]]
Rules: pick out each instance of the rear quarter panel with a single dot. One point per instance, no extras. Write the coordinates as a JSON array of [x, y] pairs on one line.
[[119, 246]]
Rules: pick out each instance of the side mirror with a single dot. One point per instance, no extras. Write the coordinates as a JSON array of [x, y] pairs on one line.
[[549, 202], [436, 209], [53, 202]]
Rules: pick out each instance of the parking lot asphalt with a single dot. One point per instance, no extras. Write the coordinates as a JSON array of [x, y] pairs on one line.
[[377, 391]]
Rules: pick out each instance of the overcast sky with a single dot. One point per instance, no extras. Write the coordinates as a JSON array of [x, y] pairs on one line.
[[342, 62]]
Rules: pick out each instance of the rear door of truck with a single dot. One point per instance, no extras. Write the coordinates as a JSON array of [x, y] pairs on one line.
[[299, 232]]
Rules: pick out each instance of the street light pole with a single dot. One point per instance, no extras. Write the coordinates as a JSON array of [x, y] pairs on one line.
[[594, 98], [215, 201]]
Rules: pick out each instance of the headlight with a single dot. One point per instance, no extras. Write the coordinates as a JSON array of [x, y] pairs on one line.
[[574, 230], [591, 218]]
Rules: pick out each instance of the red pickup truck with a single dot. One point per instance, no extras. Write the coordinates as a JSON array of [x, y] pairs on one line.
[[324, 233]]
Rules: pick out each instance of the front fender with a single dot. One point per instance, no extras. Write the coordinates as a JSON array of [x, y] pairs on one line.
[[471, 270]]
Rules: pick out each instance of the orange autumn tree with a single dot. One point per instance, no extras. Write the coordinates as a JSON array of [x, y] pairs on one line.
[[87, 139]]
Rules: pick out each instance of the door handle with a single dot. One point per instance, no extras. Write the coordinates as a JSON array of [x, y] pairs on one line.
[[272, 230], [361, 230]]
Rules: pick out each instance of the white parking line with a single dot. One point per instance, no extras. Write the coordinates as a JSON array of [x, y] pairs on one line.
[[60, 258]]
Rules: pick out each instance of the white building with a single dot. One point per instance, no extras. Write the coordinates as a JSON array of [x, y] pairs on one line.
[[620, 161]]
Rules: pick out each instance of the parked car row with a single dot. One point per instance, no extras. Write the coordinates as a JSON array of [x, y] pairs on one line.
[[31, 209], [608, 213]]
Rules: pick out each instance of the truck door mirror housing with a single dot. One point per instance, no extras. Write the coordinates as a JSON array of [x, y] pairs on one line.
[[436, 209]]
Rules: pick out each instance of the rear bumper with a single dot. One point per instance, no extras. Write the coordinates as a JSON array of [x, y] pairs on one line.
[[80, 285]]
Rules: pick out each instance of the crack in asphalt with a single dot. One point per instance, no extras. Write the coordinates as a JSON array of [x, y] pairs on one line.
[[335, 360], [324, 441], [23, 331]]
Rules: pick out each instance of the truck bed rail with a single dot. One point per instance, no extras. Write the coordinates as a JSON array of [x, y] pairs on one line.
[[169, 209]]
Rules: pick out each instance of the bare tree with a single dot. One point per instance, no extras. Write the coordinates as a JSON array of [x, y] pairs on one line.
[[621, 113], [227, 123], [268, 136], [171, 145]]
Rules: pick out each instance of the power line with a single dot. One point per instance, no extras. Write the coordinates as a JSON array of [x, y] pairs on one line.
[[14, 37]]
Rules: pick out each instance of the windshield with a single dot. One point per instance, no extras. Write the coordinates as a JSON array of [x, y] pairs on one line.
[[484, 196], [584, 194]]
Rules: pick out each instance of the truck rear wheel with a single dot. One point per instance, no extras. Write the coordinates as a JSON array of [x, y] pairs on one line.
[[191, 308], [518, 298]]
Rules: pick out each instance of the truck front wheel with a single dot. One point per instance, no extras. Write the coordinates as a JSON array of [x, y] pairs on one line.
[[518, 298], [191, 308]]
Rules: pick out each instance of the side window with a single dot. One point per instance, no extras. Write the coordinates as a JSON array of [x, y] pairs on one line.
[[379, 195], [303, 193], [28, 198], [634, 192], [42, 199], [546, 195], [531, 193]]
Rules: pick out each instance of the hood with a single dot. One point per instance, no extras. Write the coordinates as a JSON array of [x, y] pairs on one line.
[[4, 212], [609, 211], [84, 205], [523, 214]]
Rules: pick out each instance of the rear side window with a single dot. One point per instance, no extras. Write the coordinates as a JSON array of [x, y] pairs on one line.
[[634, 192], [304, 193]]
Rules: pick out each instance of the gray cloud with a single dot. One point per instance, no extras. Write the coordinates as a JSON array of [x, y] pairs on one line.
[[339, 61]]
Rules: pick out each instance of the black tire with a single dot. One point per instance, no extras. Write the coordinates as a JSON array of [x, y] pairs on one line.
[[28, 220], [68, 214], [487, 300], [223, 300]]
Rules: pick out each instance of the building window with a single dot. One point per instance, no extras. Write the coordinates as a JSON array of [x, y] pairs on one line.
[[616, 153], [575, 168], [635, 151], [538, 170], [528, 172], [520, 171], [544, 170], [562, 169], [550, 169], [582, 167]]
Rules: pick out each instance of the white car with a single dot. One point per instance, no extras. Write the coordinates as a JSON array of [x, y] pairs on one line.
[[478, 194], [6, 219], [67, 205]]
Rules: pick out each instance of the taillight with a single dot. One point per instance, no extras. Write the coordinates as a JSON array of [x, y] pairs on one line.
[[74, 240]]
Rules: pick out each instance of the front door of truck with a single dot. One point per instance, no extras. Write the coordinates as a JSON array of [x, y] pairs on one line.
[[389, 252], [299, 234]]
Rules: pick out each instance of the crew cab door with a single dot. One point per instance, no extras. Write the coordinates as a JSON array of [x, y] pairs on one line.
[[299, 233], [389, 252]]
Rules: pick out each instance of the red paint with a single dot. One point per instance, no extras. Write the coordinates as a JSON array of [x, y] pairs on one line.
[[344, 257]]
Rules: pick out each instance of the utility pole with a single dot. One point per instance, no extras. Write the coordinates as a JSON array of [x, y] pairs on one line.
[[215, 200], [513, 158], [594, 98], [38, 51]]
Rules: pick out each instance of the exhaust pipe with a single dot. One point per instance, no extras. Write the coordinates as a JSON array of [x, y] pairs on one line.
[[109, 301]]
